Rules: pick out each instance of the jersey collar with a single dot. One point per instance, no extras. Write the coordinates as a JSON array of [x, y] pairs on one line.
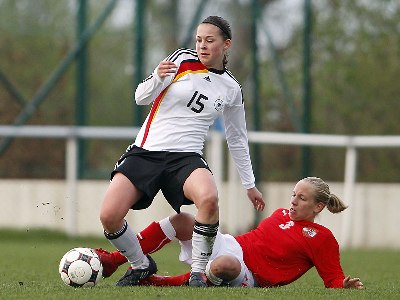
[[216, 71]]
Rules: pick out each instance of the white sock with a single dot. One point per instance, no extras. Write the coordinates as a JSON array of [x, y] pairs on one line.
[[202, 245], [167, 228], [127, 244], [186, 252]]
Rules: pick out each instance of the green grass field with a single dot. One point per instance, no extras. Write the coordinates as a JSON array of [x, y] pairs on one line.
[[29, 270]]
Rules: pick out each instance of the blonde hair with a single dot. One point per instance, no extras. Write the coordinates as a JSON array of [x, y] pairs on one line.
[[322, 194]]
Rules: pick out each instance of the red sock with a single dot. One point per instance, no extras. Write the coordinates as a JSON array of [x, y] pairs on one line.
[[151, 239], [158, 280], [119, 258]]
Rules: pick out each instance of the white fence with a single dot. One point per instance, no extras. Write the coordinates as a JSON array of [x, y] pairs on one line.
[[214, 156]]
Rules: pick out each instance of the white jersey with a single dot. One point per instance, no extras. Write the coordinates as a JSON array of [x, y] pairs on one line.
[[186, 104]]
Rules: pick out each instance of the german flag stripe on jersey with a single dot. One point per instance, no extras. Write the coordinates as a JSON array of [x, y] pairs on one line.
[[152, 114], [190, 66], [186, 67]]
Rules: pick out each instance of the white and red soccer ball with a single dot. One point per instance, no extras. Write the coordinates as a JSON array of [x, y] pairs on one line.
[[80, 267]]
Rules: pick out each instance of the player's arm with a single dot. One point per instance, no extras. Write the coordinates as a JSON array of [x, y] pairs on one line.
[[153, 85], [236, 136], [327, 263]]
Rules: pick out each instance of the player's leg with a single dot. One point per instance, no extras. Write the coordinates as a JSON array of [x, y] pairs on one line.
[[120, 196], [200, 187], [151, 239], [226, 266], [158, 234], [228, 270], [179, 226], [162, 280], [223, 269]]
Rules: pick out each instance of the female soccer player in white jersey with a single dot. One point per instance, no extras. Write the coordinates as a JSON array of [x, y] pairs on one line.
[[188, 91], [281, 249]]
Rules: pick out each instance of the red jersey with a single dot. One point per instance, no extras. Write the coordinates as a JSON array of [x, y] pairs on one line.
[[280, 250]]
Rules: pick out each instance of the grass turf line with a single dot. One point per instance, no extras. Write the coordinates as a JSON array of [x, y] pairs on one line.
[[29, 269]]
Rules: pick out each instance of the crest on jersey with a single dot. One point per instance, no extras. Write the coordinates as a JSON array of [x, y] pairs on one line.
[[218, 104], [309, 232]]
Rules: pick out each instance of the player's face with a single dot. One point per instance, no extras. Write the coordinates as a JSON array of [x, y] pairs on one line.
[[302, 204], [210, 46]]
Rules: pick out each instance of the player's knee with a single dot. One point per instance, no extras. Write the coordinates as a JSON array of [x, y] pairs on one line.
[[105, 218], [209, 203], [225, 267], [183, 224], [182, 218], [109, 221]]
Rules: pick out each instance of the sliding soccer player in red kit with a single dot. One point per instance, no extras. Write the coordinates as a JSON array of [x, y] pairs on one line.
[[280, 250]]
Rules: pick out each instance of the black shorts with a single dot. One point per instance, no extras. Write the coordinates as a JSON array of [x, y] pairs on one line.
[[152, 171]]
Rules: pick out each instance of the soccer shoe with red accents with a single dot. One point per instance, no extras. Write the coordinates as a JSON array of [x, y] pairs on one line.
[[197, 279], [108, 262], [133, 276]]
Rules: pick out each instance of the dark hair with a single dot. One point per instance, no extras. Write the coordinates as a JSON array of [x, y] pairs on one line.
[[225, 28], [322, 194], [222, 24]]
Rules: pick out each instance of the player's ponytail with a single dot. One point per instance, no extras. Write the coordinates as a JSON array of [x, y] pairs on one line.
[[322, 194], [335, 205]]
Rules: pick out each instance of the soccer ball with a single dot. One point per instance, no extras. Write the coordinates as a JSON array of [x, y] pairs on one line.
[[80, 267]]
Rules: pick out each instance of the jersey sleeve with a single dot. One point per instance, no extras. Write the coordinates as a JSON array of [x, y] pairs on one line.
[[236, 136], [149, 89], [327, 263]]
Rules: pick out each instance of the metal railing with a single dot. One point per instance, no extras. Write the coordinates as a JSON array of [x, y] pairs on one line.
[[72, 134]]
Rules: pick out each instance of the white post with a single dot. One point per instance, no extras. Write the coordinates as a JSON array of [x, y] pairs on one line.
[[215, 158], [71, 191], [349, 183], [234, 206]]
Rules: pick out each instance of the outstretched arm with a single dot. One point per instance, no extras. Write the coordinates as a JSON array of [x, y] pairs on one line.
[[352, 283]]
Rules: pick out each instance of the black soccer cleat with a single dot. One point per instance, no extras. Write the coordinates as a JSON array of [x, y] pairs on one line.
[[133, 276], [197, 279]]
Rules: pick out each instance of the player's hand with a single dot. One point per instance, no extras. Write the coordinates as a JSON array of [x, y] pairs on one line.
[[256, 198], [166, 68], [352, 283]]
